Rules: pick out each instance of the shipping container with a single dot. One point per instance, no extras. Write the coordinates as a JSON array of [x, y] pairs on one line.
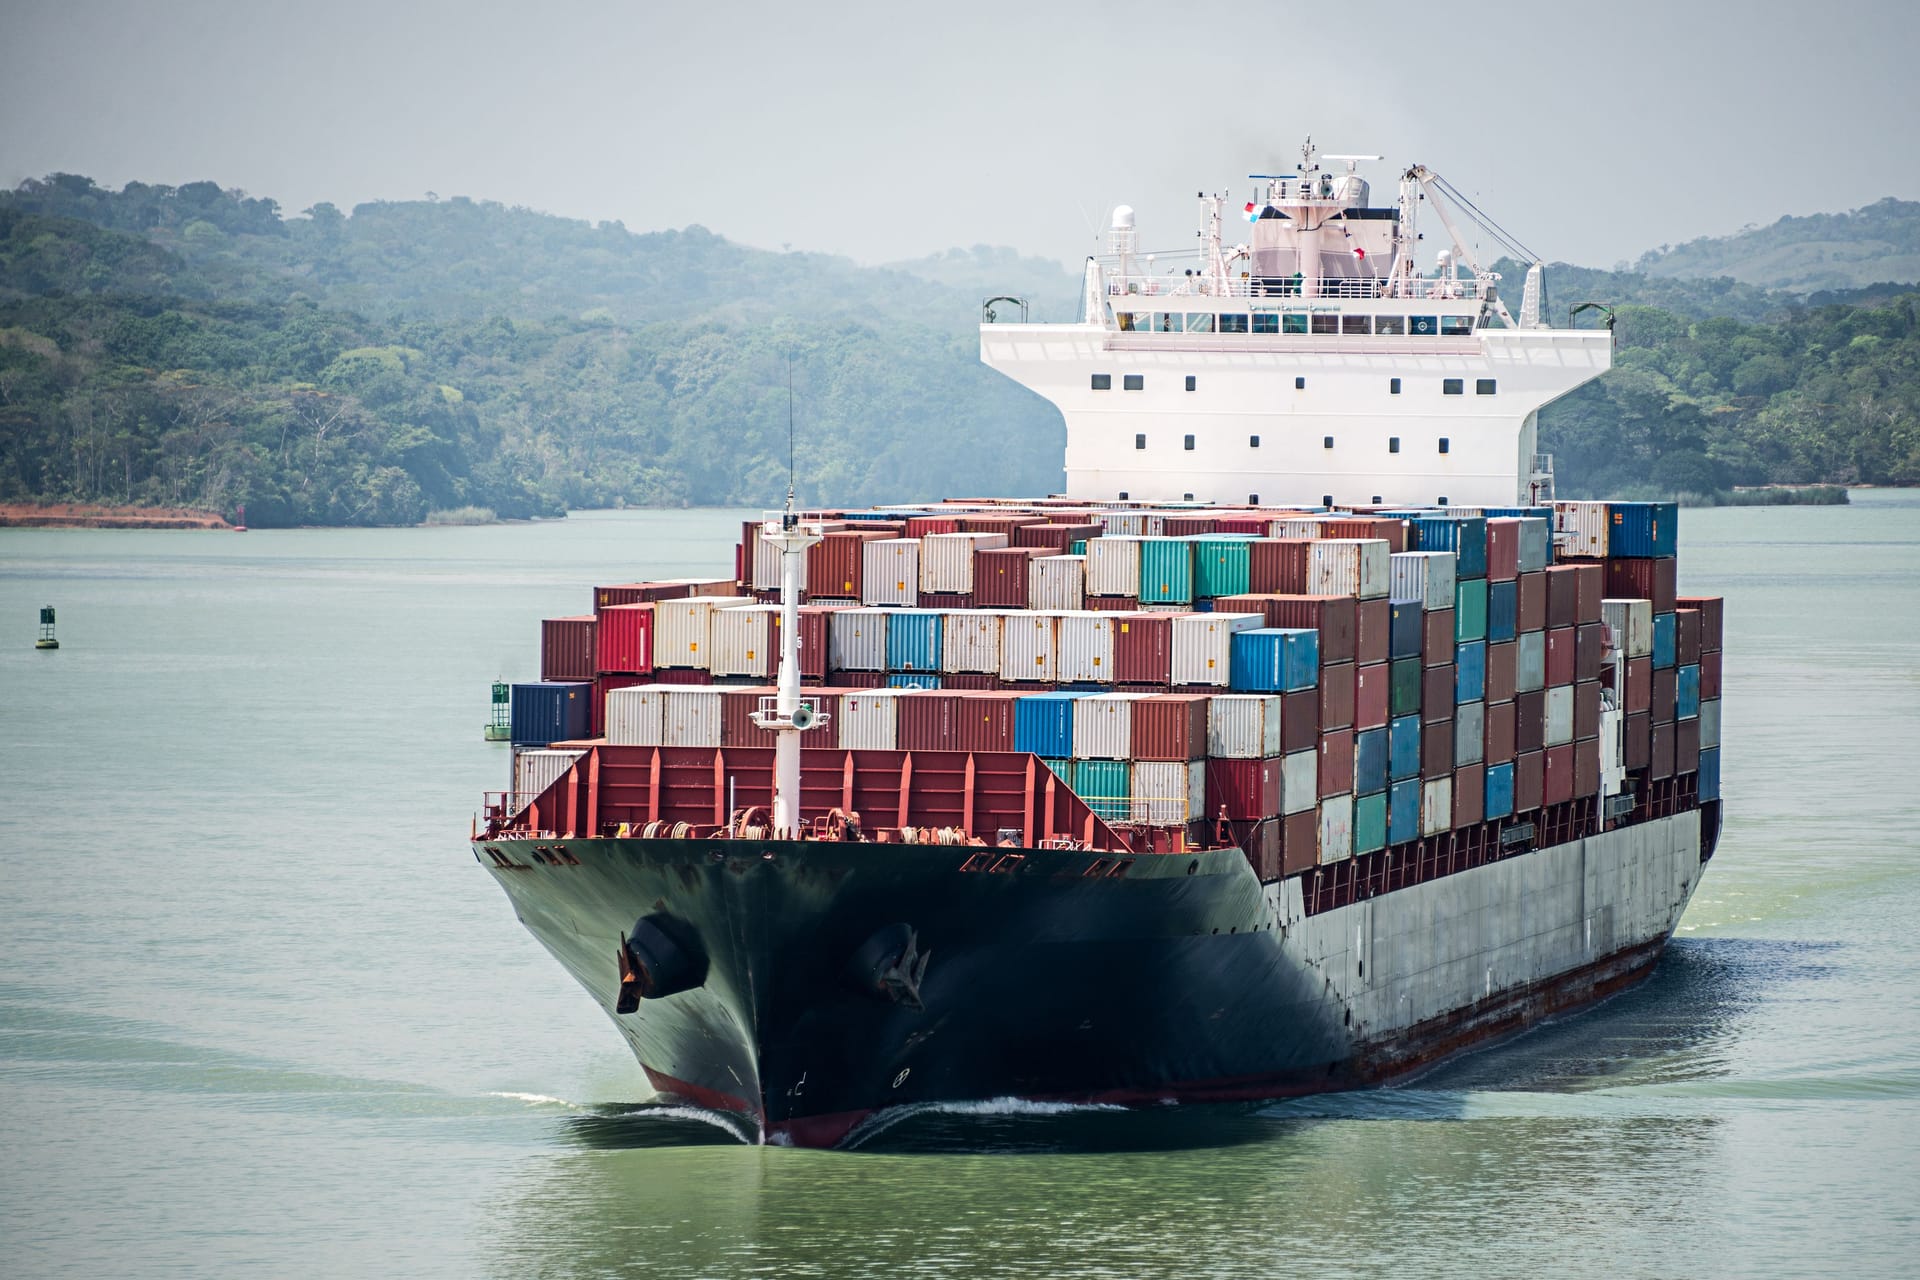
[[1536, 543], [1530, 602], [1469, 733], [1558, 722], [1244, 726], [1708, 786], [1709, 723], [1502, 719], [1370, 822], [946, 560], [1654, 580], [1686, 637], [683, 629], [1436, 805], [568, 648], [1170, 727], [1499, 791], [1372, 631], [970, 641], [1642, 529], [868, 720], [1663, 640], [1436, 748], [1503, 611], [603, 685], [1113, 566], [1586, 709], [1580, 530], [1530, 661], [1372, 695], [1470, 610], [1403, 747], [1403, 811], [983, 720], [1712, 611], [1338, 696], [1348, 567], [1503, 550], [1336, 762], [635, 716], [835, 564], [1054, 539], [1244, 789], [1083, 647], [1106, 787], [1561, 642], [1166, 571], [1465, 536], [1168, 793], [1503, 671], [1687, 692], [549, 711], [1530, 721], [1143, 648], [1437, 685], [1529, 778], [536, 769], [1436, 639], [1220, 566], [1057, 582], [639, 593], [1000, 577], [1279, 566], [1299, 781], [1043, 723], [890, 571], [1269, 659], [1426, 577], [625, 642], [1203, 648], [743, 640], [1336, 828], [1370, 760], [1470, 671], [1709, 673], [691, 717], [1103, 725], [857, 640], [1408, 634], [1404, 695]]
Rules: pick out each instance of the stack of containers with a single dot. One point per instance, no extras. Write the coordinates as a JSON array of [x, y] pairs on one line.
[[683, 630], [1710, 615]]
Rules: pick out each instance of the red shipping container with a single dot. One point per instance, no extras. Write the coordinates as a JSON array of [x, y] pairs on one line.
[[974, 680], [737, 705], [639, 593], [626, 639], [1560, 655], [1563, 592], [682, 675], [1639, 684], [1300, 842], [1503, 671], [927, 720], [857, 679], [1557, 779], [983, 721], [946, 600], [1686, 746], [1589, 587], [1710, 673], [1373, 631], [1171, 726], [833, 563], [1503, 550], [1530, 602], [1114, 604], [1436, 749], [1530, 721], [1436, 637], [1261, 844], [1054, 539], [1143, 648], [1338, 696], [1666, 695], [1501, 720], [1243, 789], [1589, 650], [1372, 695], [1586, 767], [1188, 526], [921, 526], [567, 647], [1469, 795], [1653, 580], [1713, 614], [1529, 781], [1336, 763], [1334, 617], [1663, 752], [1636, 743], [602, 686], [1393, 531], [1686, 637], [813, 640], [1255, 525], [1278, 565], [1586, 709], [1299, 720], [1436, 692], [980, 522], [1000, 576]]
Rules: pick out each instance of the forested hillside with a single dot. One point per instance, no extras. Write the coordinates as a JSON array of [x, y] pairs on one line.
[[1822, 251]]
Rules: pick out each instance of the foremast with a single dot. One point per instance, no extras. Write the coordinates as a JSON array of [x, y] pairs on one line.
[[787, 715]]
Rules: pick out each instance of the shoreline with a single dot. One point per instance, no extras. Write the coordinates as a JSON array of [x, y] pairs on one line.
[[90, 515]]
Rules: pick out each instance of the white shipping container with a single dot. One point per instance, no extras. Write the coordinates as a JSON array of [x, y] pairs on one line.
[[1113, 566], [1348, 567], [970, 640], [1709, 722], [691, 718], [1243, 726], [635, 716], [1122, 524], [857, 639], [1436, 806], [744, 641], [1103, 726], [1083, 647], [1297, 527], [1536, 543], [1630, 624], [1057, 582], [868, 720], [1559, 715], [946, 559], [1426, 576], [1530, 661], [1336, 829], [1203, 645], [1299, 781], [1168, 793], [890, 571], [1028, 644], [683, 629], [1580, 529], [536, 769]]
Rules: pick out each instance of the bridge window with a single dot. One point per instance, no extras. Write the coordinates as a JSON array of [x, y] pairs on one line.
[[1233, 324], [1326, 324], [1133, 381], [1140, 442], [1189, 444], [1456, 326], [1266, 322], [1103, 382], [1356, 324], [1125, 320], [1390, 324], [1293, 323], [1166, 322], [1200, 322], [1443, 444], [1483, 386], [1423, 326], [1299, 384], [1452, 387], [1123, 495], [1326, 500], [1393, 444], [1393, 386], [1191, 382], [1442, 501]]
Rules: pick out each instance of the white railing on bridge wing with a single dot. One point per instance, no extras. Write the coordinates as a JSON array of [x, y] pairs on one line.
[[1139, 811], [1282, 289]]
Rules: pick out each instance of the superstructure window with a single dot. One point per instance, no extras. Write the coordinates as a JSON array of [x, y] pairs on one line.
[[1103, 382], [1456, 326], [1140, 441], [1356, 324], [1452, 387], [1233, 324], [1326, 324], [1293, 323], [1393, 444], [1166, 322], [1423, 326], [1266, 322], [1186, 497], [1133, 381], [1299, 384], [1393, 386], [1253, 499], [1253, 442], [1326, 500], [1189, 445], [1200, 322], [1442, 501], [1191, 382], [1443, 444], [1390, 324], [1326, 442], [1483, 386]]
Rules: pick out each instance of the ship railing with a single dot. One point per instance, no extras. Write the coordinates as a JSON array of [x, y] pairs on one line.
[[1319, 343], [1139, 811], [1287, 289]]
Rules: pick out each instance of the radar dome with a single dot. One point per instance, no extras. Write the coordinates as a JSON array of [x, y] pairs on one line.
[[1123, 217]]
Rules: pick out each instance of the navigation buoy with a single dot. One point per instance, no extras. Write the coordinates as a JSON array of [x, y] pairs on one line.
[[240, 519], [46, 640], [500, 724]]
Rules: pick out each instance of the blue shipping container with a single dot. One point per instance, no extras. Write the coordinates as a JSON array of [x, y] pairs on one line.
[[1709, 781], [913, 641], [1643, 530], [1499, 790], [1470, 671], [1688, 686], [1517, 513], [1503, 611], [1274, 660], [1403, 812], [1043, 723], [1404, 633], [913, 680], [1465, 536], [1664, 639], [1369, 761], [1403, 747], [551, 711]]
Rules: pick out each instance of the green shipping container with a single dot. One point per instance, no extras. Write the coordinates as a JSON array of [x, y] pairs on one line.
[[1079, 547], [1102, 780], [1062, 769], [1166, 571], [1370, 823], [1470, 609], [1405, 697], [1220, 567]]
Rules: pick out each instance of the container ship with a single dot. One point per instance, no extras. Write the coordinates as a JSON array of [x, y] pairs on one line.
[[1142, 793]]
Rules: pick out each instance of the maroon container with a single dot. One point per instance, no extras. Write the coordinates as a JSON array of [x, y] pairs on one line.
[[639, 593], [1530, 721], [1373, 631], [1586, 767], [1436, 692], [984, 522], [602, 686], [921, 526], [1113, 604], [1246, 524], [1686, 746], [1469, 795], [1589, 650], [1000, 577], [1663, 752], [1336, 763], [1299, 720], [973, 680], [737, 705], [1563, 591], [1686, 637], [1188, 526], [833, 563], [1436, 637], [1501, 721], [1529, 781], [710, 587], [1278, 565], [1643, 580], [1503, 550], [983, 721], [1171, 726], [813, 640], [1143, 648], [682, 675], [857, 679], [1666, 695], [1054, 539], [1334, 617], [1590, 587], [1338, 696], [1300, 842], [1244, 789], [927, 720], [1372, 695], [626, 639], [567, 647], [1586, 709], [1436, 749], [946, 600], [1557, 774], [1713, 614], [1636, 741], [1530, 602], [1639, 684], [1503, 671], [1262, 847], [1560, 655], [1710, 673], [1394, 532]]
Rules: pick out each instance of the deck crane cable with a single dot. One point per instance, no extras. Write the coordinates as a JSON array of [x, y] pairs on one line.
[[1492, 228]]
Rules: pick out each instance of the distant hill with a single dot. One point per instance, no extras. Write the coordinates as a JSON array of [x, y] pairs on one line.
[[1823, 251], [1052, 292]]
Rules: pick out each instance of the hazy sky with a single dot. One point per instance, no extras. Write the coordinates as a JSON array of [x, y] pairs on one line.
[[1592, 130]]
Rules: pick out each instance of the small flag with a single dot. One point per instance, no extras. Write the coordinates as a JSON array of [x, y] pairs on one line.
[[1358, 252], [1253, 214]]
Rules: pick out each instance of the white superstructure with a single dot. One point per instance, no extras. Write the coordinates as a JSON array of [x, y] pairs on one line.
[[1318, 362]]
